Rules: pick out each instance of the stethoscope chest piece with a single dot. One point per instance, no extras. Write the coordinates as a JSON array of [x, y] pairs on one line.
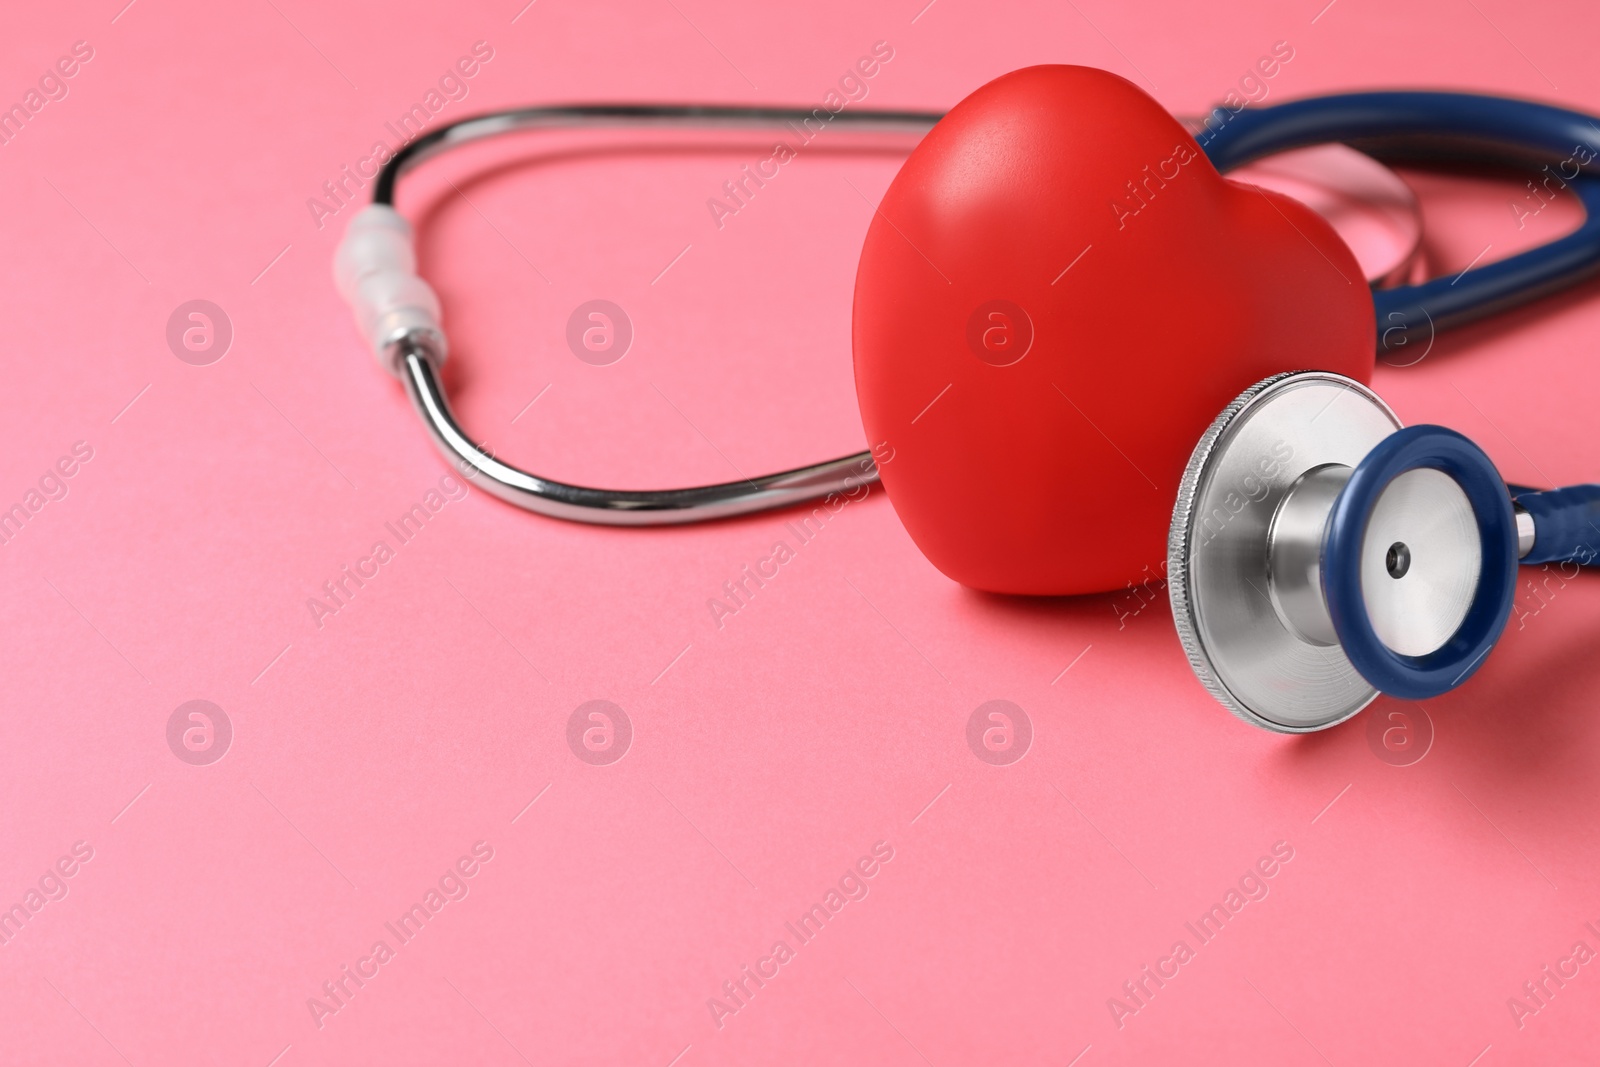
[[1320, 554], [1260, 641]]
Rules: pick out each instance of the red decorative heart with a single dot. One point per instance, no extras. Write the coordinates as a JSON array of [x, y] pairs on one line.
[[1056, 296]]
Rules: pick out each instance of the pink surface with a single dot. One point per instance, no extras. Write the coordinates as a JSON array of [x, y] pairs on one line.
[[826, 719]]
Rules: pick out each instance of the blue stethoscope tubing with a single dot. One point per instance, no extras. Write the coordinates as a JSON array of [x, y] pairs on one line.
[[1496, 126]]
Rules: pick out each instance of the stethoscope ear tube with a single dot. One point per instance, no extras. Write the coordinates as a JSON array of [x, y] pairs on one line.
[[401, 320], [1413, 448]]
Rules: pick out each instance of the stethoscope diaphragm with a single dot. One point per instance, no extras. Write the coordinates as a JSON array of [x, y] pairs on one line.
[[1249, 650]]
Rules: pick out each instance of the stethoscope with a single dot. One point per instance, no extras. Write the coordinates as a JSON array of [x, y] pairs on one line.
[[1364, 558]]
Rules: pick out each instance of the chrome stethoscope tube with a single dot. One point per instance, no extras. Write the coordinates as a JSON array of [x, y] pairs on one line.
[[670, 116], [415, 360], [614, 507]]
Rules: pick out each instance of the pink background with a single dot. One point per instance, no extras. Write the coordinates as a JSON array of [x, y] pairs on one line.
[[827, 715]]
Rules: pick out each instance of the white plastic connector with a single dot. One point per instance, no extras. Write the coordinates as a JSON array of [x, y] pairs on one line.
[[375, 269]]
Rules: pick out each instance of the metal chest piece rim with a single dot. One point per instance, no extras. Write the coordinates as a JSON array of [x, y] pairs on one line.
[[1242, 621]]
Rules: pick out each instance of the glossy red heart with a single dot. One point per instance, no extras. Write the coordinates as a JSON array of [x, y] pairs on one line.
[[1056, 296]]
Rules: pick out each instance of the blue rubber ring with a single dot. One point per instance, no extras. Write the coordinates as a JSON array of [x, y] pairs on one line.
[[1419, 677]]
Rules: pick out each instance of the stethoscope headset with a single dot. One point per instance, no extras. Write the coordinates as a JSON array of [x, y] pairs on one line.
[[1370, 557]]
